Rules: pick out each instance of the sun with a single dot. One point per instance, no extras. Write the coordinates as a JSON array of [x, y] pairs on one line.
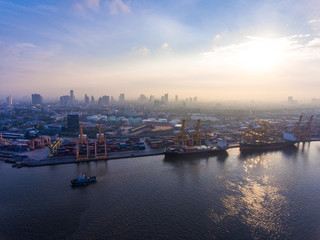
[[260, 54]]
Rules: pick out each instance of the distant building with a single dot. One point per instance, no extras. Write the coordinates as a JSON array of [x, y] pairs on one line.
[[142, 98], [9, 100], [151, 99], [290, 99], [121, 98], [190, 99], [105, 100], [72, 97], [73, 122], [86, 99], [176, 98], [92, 100], [100, 101], [36, 99], [195, 99], [65, 100], [166, 98]]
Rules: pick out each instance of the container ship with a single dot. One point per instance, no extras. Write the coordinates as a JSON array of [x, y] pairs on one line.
[[263, 136], [265, 146], [192, 144], [203, 150]]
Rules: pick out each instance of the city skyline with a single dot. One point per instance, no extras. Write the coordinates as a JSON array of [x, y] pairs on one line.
[[233, 50]]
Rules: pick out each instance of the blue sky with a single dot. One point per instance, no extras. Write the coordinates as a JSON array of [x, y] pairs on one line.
[[198, 48]]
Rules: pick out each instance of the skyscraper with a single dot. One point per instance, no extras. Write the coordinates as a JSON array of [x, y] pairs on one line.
[[92, 100], [121, 98], [9, 100], [105, 100], [36, 99], [166, 98], [72, 98], [86, 99], [64, 100]]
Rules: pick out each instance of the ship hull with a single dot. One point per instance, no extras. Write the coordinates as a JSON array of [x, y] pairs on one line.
[[264, 147], [194, 153]]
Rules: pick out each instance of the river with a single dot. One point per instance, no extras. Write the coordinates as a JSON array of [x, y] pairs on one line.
[[274, 195]]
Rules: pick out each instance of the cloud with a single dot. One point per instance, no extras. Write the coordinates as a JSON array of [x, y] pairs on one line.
[[165, 46], [314, 21], [81, 6], [118, 6], [92, 4], [141, 51], [217, 37]]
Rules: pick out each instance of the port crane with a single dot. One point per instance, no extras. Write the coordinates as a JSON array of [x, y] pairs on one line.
[[180, 137], [194, 137], [83, 141], [100, 143]]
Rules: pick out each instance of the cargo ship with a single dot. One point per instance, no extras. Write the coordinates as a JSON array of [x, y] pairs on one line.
[[265, 146], [203, 150], [265, 143]]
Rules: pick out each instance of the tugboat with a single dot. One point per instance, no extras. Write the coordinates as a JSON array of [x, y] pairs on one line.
[[83, 180]]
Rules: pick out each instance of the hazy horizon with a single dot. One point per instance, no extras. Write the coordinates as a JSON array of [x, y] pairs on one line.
[[217, 51]]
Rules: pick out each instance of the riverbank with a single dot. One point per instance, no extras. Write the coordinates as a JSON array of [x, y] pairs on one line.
[[71, 159]]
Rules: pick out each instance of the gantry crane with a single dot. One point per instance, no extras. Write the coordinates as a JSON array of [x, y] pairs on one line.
[[83, 140], [98, 142], [297, 130], [194, 137], [2, 139], [307, 129], [53, 148], [180, 137]]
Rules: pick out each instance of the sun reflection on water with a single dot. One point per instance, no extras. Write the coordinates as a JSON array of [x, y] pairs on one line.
[[255, 197]]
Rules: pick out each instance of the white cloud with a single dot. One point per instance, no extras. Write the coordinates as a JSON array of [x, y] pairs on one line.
[[314, 21], [118, 6], [92, 4], [165, 46], [141, 51], [217, 37]]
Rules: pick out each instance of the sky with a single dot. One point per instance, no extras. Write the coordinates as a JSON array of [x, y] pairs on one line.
[[262, 50]]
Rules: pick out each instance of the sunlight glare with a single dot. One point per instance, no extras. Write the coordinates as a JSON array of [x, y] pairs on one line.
[[261, 54]]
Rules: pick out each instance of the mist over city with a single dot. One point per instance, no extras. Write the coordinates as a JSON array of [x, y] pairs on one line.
[[145, 119], [237, 50]]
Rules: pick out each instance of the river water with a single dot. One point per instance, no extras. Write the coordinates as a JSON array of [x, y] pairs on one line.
[[274, 195]]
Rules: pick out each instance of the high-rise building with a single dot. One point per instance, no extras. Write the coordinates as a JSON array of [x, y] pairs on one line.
[[65, 100], [72, 97], [73, 122], [190, 99], [86, 99], [142, 98], [92, 100], [105, 100], [290, 99], [195, 99], [9, 100], [121, 97], [36, 99], [176, 98], [166, 98], [151, 99]]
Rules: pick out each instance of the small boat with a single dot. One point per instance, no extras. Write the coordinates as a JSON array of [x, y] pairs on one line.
[[18, 165], [83, 180]]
